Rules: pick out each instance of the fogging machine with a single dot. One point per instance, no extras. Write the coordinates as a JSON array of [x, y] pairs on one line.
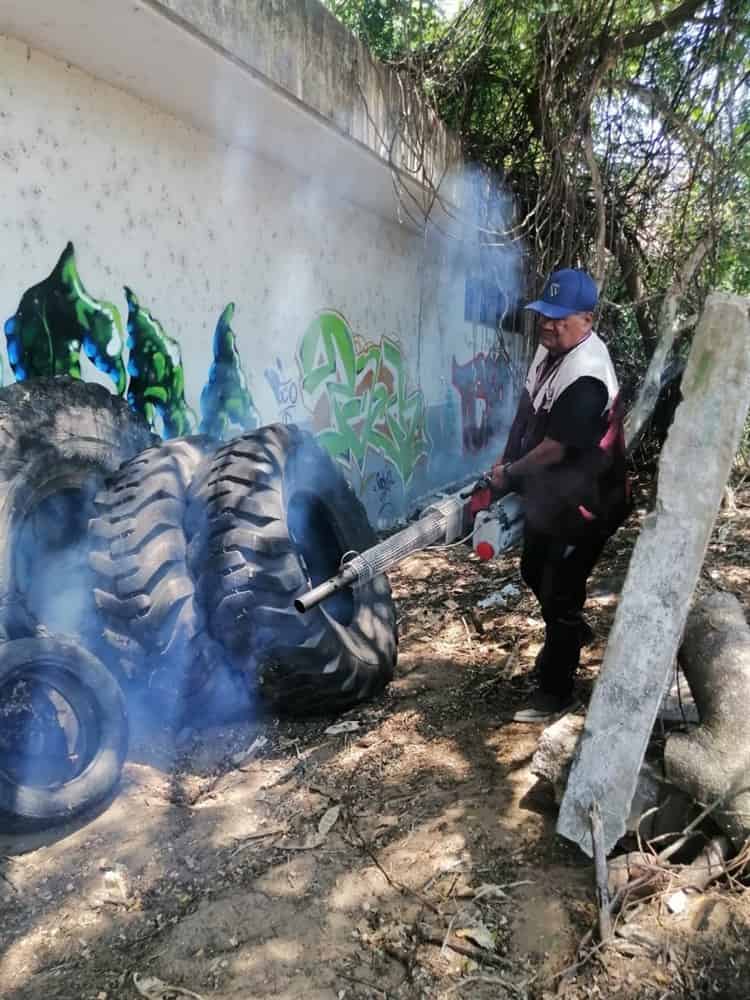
[[492, 525]]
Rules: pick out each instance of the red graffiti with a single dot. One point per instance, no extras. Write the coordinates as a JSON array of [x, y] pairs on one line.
[[481, 384]]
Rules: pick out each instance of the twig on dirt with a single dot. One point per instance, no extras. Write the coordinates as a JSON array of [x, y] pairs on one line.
[[742, 481], [398, 956], [509, 667], [51, 969], [281, 779], [687, 834], [448, 933], [5, 878], [248, 841], [468, 634], [456, 877], [394, 883], [453, 869], [618, 902], [475, 621], [565, 975], [493, 980], [155, 989], [738, 864], [327, 793], [491, 682], [181, 798], [491, 890], [468, 950], [506, 885], [600, 867], [368, 850], [364, 982]]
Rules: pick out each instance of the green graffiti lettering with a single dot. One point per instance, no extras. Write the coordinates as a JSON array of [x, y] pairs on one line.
[[226, 401], [361, 400], [326, 351], [157, 378], [55, 320]]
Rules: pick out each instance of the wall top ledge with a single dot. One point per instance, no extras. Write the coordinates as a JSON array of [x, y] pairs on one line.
[[280, 78]]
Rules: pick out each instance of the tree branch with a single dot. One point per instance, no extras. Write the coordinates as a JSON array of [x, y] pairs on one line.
[[600, 261], [626, 255], [656, 101], [667, 329], [654, 29]]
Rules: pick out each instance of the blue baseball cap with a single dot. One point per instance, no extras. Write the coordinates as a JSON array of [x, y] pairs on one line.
[[566, 292]]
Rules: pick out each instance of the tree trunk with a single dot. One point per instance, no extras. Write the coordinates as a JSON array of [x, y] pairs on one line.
[[713, 761]]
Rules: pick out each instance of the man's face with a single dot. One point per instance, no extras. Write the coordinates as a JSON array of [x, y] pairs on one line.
[[559, 335]]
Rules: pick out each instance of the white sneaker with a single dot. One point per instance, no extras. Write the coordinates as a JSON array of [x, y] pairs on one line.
[[545, 707]]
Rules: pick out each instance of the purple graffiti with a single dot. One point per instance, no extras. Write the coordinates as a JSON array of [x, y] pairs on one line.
[[481, 383]]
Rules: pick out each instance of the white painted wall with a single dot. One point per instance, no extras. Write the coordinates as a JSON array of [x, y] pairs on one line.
[[191, 225]]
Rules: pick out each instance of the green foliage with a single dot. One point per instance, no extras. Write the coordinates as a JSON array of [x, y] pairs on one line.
[[621, 129], [732, 259], [390, 28]]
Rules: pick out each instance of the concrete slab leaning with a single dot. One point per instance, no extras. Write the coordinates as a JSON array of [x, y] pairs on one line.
[[664, 568]]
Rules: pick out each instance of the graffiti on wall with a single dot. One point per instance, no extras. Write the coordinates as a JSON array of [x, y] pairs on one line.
[[157, 378], [448, 429], [356, 395], [284, 388], [360, 397], [384, 485], [58, 319], [55, 320], [227, 405], [481, 383]]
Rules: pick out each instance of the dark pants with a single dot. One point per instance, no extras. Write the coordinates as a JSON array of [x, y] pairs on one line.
[[557, 573]]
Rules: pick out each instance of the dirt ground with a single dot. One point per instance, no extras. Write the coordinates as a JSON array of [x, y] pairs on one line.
[[414, 856]]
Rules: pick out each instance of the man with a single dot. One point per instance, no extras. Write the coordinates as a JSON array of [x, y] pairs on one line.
[[565, 454]]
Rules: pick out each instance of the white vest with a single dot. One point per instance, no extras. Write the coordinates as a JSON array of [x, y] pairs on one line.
[[589, 359]]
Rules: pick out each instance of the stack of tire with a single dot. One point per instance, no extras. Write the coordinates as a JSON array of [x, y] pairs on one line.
[[59, 440], [199, 554]]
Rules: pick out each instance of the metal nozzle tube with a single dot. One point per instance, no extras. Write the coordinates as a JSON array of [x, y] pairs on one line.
[[326, 589], [431, 527]]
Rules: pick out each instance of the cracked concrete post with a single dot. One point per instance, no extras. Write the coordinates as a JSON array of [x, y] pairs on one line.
[[694, 466]]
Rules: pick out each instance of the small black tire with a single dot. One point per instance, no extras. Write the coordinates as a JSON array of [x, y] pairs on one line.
[[144, 592], [95, 697], [250, 506]]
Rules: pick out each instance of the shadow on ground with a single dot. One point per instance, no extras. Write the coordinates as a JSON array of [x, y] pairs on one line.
[[414, 857]]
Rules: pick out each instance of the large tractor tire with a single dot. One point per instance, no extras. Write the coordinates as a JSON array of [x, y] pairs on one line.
[[59, 439], [270, 515], [144, 591], [63, 731]]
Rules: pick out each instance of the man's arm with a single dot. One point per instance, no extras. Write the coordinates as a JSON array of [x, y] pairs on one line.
[[575, 422], [517, 428], [547, 452]]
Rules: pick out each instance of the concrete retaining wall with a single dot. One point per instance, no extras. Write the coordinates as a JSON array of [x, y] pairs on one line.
[[345, 320]]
